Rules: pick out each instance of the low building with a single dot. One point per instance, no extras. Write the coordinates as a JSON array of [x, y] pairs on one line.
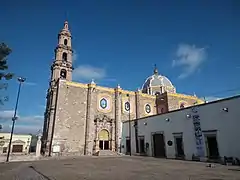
[[204, 132], [20, 143]]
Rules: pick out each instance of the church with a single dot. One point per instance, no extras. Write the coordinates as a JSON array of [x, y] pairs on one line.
[[82, 119]]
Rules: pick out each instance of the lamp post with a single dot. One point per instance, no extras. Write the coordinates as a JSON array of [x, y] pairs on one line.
[[129, 126], [21, 80]]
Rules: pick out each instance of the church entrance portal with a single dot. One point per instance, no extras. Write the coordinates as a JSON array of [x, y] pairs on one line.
[[104, 140]]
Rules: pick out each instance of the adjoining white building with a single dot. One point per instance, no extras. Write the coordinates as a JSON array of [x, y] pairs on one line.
[[203, 132], [20, 143]]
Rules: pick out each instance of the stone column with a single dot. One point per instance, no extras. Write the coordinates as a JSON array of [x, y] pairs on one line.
[[117, 118], [113, 137], [137, 98], [38, 148], [50, 125], [89, 121]]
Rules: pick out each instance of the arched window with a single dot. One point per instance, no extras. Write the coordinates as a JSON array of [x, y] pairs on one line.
[[64, 56], [65, 42], [162, 110], [63, 74], [182, 105]]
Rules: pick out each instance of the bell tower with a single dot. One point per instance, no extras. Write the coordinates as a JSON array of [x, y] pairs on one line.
[[61, 69], [62, 65]]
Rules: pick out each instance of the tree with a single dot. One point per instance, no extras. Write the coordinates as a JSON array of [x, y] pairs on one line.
[[4, 74]]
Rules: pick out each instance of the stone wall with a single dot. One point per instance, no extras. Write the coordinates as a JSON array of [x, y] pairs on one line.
[[175, 100], [144, 101], [70, 120], [80, 116]]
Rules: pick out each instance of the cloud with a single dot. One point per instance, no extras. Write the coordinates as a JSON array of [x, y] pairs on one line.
[[189, 57], [87, 72], [24, 124], [22, 129], [6, 115]]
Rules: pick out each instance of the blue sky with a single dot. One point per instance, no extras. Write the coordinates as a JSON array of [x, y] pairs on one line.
[[194, 43]]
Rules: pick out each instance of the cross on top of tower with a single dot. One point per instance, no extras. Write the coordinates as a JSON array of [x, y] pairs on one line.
[[65, 25]]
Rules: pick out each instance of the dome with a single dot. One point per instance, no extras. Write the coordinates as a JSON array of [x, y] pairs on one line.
[[157, 83], [157, 80]]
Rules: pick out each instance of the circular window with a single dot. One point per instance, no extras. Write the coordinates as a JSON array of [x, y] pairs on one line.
[[103, 103], [2, 143], [65, 41], [127, 106], [148, 108], [170, 143]]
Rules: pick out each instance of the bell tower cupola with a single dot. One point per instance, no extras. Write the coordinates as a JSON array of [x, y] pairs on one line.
[[62, 65]]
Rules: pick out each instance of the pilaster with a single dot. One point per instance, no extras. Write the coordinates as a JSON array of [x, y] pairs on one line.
[[137, 96], [118, 130], [89, 121], [51, 118]]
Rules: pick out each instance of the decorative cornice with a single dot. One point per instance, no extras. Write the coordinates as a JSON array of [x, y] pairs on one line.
[[111, 90], [147, 95], [76, 84], [61, 46], [184, 96], [127, 92], [92, 85]]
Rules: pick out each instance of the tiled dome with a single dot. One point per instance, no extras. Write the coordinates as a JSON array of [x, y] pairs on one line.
[[155, 81]]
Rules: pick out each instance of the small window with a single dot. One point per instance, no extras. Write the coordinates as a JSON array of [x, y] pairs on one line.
[[63, 74], [65, 42], [64, 56], [4, 149]]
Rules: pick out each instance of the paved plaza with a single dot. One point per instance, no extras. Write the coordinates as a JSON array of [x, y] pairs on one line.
[[115, 168]]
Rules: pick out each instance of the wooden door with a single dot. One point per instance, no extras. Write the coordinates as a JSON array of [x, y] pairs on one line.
[[159, 145]]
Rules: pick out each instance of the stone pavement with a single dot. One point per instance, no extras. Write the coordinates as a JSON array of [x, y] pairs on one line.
[[115, 168]]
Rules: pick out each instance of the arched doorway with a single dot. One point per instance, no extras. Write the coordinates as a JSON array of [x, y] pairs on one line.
[[103, 137]]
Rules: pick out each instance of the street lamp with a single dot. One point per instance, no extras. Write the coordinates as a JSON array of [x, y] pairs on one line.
[[21, 80], [129, 125]]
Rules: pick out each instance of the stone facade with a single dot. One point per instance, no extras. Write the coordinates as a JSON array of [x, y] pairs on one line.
[[81, 119]]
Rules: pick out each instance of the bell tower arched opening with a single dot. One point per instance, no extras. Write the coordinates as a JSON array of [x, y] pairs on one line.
[[63, 74], [65, 42], [64, 56], [104, 140]]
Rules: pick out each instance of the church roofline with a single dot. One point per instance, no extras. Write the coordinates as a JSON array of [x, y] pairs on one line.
[[112, 90]]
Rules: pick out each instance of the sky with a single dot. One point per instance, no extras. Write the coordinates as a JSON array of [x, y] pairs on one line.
[[194, 43]]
